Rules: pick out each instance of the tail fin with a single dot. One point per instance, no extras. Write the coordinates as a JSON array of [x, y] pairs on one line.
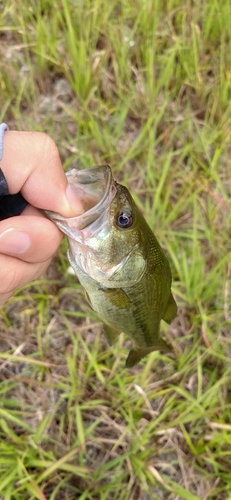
[[135, 355]]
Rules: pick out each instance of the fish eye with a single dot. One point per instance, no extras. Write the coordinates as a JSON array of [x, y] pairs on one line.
[[124, 220]]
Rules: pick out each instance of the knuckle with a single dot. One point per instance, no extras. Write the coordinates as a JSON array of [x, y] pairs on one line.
[[15, 273], [50, 150]]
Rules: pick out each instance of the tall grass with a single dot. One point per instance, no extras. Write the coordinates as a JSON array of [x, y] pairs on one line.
[[144, 86]]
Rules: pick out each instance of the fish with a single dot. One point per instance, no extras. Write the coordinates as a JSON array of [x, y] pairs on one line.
[[119, 262]]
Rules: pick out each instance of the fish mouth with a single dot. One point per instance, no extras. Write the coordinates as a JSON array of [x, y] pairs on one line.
[[95, 189]]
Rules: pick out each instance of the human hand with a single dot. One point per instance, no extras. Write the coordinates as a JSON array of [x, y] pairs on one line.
[[31, 165]]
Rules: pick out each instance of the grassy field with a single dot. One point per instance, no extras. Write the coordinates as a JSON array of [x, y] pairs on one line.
[[144, 85]]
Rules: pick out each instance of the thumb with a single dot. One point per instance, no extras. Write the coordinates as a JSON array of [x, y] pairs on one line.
[[31, 165]]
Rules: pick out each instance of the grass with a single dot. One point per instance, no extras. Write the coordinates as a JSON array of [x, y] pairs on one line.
[[144, 86]]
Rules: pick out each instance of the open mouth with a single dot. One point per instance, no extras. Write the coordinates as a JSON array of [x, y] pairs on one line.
[[95, 188]]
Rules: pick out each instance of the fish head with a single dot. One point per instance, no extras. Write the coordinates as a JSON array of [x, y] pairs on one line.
[[126, 245], [106, 242]]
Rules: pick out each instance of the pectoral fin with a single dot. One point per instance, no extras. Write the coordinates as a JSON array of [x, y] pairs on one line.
[[111, 334], [136, 354], [117, 297], [170, 311]]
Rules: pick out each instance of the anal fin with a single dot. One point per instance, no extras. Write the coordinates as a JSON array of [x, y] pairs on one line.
[[110, 333]]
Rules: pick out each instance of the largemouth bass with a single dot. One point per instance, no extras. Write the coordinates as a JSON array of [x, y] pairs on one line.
[[118, 261]]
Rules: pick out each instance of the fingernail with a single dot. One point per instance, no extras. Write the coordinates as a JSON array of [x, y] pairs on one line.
[[13, 242], [74, 201]]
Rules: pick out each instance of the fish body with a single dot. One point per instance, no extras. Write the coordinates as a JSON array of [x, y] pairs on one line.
[[119, 262]]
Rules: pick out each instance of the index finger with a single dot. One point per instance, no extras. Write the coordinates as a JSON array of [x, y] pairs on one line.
[[31, 165]]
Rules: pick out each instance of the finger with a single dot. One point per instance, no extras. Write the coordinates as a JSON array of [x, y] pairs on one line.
[[30, 237], [15, 273], [31, 164]]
